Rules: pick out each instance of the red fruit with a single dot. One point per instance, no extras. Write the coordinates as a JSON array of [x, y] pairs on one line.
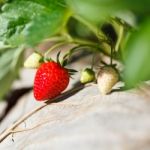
[[50, 80]]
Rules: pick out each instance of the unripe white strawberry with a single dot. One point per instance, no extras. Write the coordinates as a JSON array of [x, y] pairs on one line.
[[87, 75], [106, 79], [33, 61]]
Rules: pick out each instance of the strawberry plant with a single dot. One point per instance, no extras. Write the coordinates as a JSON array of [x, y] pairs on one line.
[[119, 29]]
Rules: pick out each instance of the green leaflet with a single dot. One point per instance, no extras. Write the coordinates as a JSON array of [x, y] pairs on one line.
[[30, 21], [137, 58], [99, 10], [10, 63]]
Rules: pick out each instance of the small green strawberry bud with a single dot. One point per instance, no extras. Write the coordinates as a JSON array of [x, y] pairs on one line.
[[87, 75], [33, 61]]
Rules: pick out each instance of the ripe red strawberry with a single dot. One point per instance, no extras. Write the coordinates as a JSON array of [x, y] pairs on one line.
[[50, 80]]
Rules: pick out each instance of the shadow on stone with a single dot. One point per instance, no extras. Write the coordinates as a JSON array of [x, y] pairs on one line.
[[75, 89], [12, 98]]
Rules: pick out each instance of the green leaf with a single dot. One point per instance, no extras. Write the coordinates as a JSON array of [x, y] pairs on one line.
[[4, 47], [30, 21], [137, 57], [98, 10], [10, 63]]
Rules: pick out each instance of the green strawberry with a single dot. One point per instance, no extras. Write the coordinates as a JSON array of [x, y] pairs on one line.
[[87, 75]]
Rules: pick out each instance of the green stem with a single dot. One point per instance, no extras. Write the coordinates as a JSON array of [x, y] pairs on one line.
[[74, 49], [92, 66], [111, 55], [87, 43], [64, 30], [55, 39], [53, 47], [74, 41], [81, 41], [66, 35]]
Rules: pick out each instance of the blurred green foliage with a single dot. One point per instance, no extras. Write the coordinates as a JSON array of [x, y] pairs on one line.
[[137, 55], [30, 21], [25, 23], [98, 10]]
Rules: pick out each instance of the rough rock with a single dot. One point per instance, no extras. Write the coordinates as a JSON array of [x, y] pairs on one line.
[[85, 121]]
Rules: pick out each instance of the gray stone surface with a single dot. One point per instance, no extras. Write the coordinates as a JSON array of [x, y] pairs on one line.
[[85, 121]]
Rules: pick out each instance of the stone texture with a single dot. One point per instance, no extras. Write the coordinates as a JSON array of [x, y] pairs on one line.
[[86, 121]]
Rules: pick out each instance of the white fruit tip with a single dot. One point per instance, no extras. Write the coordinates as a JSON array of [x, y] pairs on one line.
[[107, 78], [33, 61]]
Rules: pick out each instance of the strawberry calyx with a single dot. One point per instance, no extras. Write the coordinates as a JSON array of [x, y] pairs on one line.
[[62, 63], [114, 66], [71, 71]]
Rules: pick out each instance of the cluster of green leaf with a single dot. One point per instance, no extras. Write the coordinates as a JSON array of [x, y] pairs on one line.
[[25, 23], [30, 21]]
